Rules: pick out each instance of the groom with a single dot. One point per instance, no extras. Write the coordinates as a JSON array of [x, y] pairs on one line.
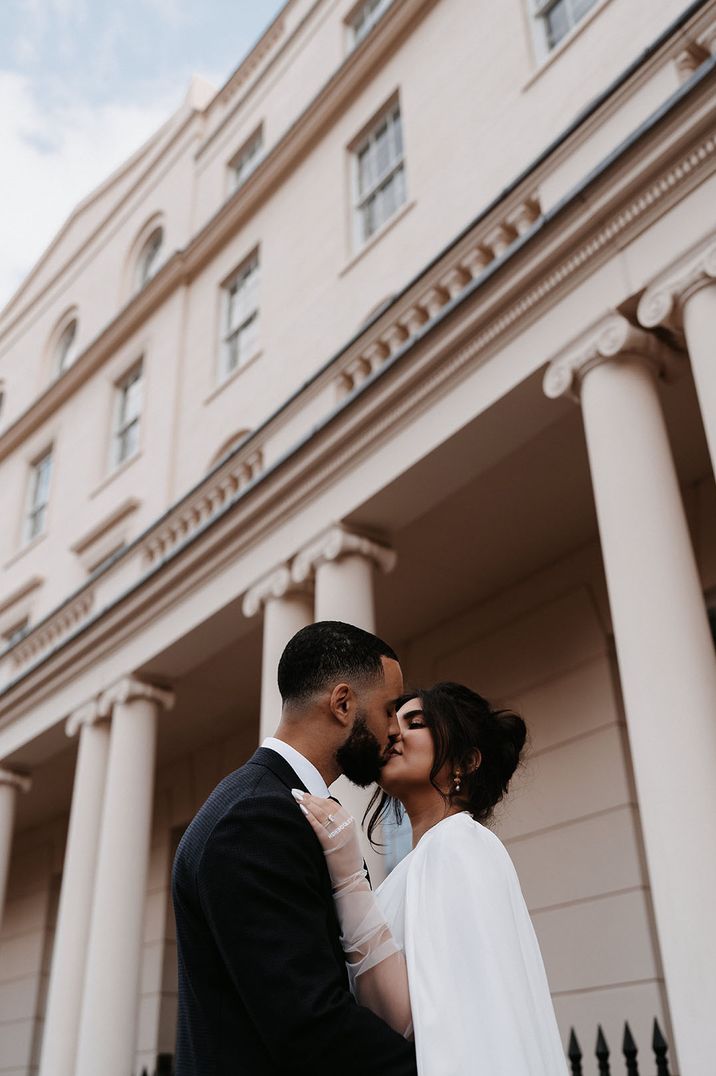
[[263, 989]]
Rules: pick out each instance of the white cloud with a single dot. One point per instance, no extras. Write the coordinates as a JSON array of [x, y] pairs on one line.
[[52, 158]]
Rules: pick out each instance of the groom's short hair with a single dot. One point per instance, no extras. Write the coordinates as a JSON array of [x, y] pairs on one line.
[[324, 654]]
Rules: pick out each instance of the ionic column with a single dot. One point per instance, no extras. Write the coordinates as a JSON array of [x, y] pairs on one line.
[[287, 607], [683, 299], [109, 1009], [64, 1000], [665, 654], [343, 565], [10, 784]]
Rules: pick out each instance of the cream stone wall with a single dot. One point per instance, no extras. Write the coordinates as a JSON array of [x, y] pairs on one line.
[[570, 821], [314, 295]]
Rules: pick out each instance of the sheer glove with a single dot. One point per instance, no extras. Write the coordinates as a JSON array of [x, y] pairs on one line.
[[376, 964]]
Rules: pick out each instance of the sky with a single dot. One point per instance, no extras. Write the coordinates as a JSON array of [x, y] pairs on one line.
[[82, 84]]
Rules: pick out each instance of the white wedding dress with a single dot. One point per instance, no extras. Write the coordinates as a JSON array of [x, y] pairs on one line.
[[478, 991]]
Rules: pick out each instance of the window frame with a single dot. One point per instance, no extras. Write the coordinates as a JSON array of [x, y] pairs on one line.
[[539, 12], [243, 154], [230, 332], [60, 353], [396, 165], [121, 425], [360, 26], [149, 259], [34, 507]]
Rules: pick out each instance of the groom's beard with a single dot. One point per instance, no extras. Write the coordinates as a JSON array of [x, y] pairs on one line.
[[360, 758]]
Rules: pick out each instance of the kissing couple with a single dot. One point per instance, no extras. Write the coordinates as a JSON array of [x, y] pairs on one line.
[[288, 961]]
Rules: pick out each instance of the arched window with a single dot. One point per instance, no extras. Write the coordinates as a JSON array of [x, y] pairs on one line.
[[149, 257], [66, 349]]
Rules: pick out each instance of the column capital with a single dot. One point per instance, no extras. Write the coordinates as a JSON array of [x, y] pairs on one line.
[[337, 542], [19, 781], [129, 688], [88, 714], [611, 338], [663, 301], [275, 584]]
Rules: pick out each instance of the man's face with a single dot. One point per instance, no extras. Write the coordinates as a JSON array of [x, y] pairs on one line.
[[363, 754]]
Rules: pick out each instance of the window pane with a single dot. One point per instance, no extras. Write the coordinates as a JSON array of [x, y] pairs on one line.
[[382, 149], [132, 402], [365, 169], [66, 349], [557, 23], [397, 136], [580, 9], [149, 258]]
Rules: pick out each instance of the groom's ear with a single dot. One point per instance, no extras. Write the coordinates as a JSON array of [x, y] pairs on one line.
[[341, 703]]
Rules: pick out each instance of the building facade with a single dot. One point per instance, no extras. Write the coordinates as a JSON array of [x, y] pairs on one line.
[[410, 324]]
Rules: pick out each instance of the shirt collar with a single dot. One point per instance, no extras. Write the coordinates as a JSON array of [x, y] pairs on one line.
[[300, 764]]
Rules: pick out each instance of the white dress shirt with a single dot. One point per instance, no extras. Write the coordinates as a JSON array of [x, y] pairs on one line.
[[300, 764]]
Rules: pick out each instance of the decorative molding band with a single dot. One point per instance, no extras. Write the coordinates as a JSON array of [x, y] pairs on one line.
[[254, 60], [127, 690], [54, 630], [493, 238], [86, 715], [337, 542], [200, 508], [663, 301], [19, 781], [276, 584], [611, 338]]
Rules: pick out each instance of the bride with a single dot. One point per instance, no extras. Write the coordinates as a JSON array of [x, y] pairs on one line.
[[445, 948]]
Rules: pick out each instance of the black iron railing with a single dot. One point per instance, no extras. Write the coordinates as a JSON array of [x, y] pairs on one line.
[[607, 1066], [165, 1066]]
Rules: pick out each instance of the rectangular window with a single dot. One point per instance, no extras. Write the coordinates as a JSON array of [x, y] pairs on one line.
[[128, 416], [36, 521], [241, 314], [379, 174], [246, 160], [555, 19], [365, 18]]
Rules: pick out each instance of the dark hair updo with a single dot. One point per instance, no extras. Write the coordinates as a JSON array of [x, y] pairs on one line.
[[463, 723]]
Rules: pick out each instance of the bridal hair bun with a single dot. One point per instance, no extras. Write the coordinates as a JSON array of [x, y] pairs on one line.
[[465, 727], [465, 724]]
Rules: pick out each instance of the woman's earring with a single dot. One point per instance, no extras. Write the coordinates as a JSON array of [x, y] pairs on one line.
[[457, 780]]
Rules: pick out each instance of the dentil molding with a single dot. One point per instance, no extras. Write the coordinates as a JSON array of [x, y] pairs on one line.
[[611, 338], [663, 301], [335, 543]]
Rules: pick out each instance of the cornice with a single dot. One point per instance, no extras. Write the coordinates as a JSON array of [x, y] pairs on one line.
[[19, 781], [635, 187], [662, 304], [611, 338], [127, 690], [335, 543]]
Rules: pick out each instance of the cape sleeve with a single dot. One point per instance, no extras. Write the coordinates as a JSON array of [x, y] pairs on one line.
[[480, 1001]]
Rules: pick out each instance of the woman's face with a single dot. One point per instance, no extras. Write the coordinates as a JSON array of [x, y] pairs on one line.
[[411, 757]]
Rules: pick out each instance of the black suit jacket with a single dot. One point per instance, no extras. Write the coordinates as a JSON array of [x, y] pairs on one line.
[[263, 989]]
